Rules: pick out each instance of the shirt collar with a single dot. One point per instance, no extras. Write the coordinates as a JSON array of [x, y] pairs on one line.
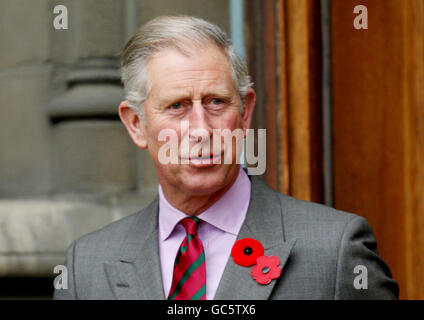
[[227, 213]]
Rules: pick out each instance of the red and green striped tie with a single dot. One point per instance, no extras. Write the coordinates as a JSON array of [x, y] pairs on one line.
[[189, 279]]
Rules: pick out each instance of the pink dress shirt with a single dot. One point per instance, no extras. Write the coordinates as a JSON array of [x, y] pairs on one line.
[[218, 232]]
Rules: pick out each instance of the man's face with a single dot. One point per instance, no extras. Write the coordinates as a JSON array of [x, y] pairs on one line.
[[198, 90]]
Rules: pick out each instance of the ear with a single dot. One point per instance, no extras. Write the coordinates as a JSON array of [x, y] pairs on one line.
[[249, 106], [134, 125]]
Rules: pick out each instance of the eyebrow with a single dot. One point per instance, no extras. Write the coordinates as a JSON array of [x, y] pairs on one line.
[[169, 98]]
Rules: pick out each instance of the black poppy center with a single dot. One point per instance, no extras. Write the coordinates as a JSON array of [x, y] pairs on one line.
[[248, 251]]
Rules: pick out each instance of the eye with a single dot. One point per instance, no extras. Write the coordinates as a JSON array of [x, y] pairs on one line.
[[217, 101], [176, 106]]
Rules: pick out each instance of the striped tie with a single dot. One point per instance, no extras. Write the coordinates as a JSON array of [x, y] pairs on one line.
[[189, 279]]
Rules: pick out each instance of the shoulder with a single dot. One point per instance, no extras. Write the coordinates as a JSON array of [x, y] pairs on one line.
[[105, 243], [324, 229], [313, 216], [319, 230], [300, 217], [113, 232], [108, 241]]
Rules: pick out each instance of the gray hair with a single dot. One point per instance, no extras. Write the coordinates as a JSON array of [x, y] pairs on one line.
[[177, 32]]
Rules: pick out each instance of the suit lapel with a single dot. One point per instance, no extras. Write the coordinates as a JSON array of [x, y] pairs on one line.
[[263, 223], [137, 275]]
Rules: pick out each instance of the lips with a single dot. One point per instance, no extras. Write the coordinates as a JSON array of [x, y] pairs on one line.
[[201, 158], [202, 161]]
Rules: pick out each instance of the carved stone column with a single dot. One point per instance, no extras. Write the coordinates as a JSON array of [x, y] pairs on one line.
[[91, 151], [71, 166]]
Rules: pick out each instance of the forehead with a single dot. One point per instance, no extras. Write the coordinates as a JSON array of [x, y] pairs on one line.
[[202, 67]]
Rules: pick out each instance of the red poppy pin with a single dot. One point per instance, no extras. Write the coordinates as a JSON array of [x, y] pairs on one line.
[[266, 269], [249, 252], [246, 251]]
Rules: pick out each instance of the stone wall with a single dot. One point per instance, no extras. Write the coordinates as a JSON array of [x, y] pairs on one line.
[[67, 165]]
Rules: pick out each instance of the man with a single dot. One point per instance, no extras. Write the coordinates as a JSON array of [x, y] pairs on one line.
[[178, 70]]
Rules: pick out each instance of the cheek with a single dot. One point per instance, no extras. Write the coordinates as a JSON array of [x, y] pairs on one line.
[[154, 131], [157, 123], [231, 121], [232, 146]]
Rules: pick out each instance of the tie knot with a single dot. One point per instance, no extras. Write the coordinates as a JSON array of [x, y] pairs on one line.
[[190, 224]]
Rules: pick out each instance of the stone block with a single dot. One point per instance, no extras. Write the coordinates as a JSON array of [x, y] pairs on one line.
[[24, 132], [34, 234], [147, 178], [24, 32], [93, 156], [101, 28]]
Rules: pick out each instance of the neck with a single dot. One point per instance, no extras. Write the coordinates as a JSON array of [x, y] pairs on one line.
[[194, 205]]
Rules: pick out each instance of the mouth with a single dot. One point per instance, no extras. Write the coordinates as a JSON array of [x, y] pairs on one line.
[[205, 161], [205, 157]]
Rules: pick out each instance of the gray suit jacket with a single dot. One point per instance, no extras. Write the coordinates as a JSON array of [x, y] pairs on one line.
[[318, 247]]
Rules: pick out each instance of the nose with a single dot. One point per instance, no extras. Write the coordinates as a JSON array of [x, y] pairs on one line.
[[199, 122]]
